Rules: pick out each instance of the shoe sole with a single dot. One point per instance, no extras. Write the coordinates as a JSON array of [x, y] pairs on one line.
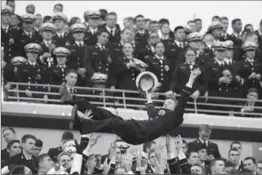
[[72, 119]]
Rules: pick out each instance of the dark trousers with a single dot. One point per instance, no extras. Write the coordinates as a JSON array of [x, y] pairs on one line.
[[134, 131]]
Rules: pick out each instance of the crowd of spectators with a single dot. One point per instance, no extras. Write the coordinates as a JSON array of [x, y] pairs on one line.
[[98, 53], [175, 156]]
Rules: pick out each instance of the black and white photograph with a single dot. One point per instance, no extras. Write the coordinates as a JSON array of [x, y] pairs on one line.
[[131, 87]]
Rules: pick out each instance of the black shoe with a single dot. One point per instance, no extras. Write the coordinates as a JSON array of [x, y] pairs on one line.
[[75, 122]]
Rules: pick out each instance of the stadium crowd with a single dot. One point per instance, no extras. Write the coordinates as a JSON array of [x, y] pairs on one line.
[[176, 156], [98, 53]]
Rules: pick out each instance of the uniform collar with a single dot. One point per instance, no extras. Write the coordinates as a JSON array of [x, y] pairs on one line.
[[178, 43], [46, 42], [28, 33], [100, 46], [28, 157], [249, 60], [160, 58], [206, 142], [219, 61], [60, 34], [111, 29], [93, 31], [6, 27], [79, 42], [141, 31]]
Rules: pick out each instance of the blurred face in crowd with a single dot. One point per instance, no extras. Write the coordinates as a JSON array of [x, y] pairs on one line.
[[47, 35], [38, 149], [204, 135], [140, 23], [128, 49], [29, 146], [39, 20], [154, 27], [64, 160], [229, 169], [237, 27], [180, 35], [147, 25], [14, 21], [253, 38], [118, 155], [93, 22], [192, 26], [195, 169], [6, 18], [160, 49], [32, 56], [251, 54], [208, 40], [259, 168], [30, 9], [120, 171], [70, 145], [165, 29], [59, 24], [225, 25], [193, 158], [103, 38], [128, 23], [220, 54], [28, 26], [91, 162], [190, 56], [215, 19], [153, 39], [58, 8], [217, 32], [219, 167], [111, 21], [46, 164], [252, 97], [198, 25], [234, 157], [14, 149], [61, 60], [12, 5], [229, 53], [249, 28], [202, 155], [237, 146], [9, 135], [127, 35], [195, 45], [184, 148], [170, 105], [152, 159], [249, 165], [79, 36], [71, 80]]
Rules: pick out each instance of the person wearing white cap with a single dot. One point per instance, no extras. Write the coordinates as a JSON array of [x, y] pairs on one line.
[[31, 72], [76, 60], [47, 31], [132, 131], [28, 34], [216, 30], [61, 38], [250, 68], [92, 18]]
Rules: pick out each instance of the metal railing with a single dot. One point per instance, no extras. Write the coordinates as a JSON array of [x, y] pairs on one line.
[[128, 99]]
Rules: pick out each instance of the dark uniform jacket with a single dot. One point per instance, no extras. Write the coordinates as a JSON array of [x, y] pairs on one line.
[[172, 53], [77, 57], [23, 39], [21, 160], [161, 68], [90, 39], [181, 75], [98, 60], [125, 77], [212, 148], [54, 152], [32, 74], [238, 53], [115, 50], [50, 61], [141, 39], [63, 41], [245, 70], [8, 41], [56, 74], [114, 37], [143, 53]]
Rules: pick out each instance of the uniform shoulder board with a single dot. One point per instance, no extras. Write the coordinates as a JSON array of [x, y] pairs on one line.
[[161, 112]]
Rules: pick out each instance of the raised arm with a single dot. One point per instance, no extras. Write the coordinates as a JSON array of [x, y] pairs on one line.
[[150, 108]]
